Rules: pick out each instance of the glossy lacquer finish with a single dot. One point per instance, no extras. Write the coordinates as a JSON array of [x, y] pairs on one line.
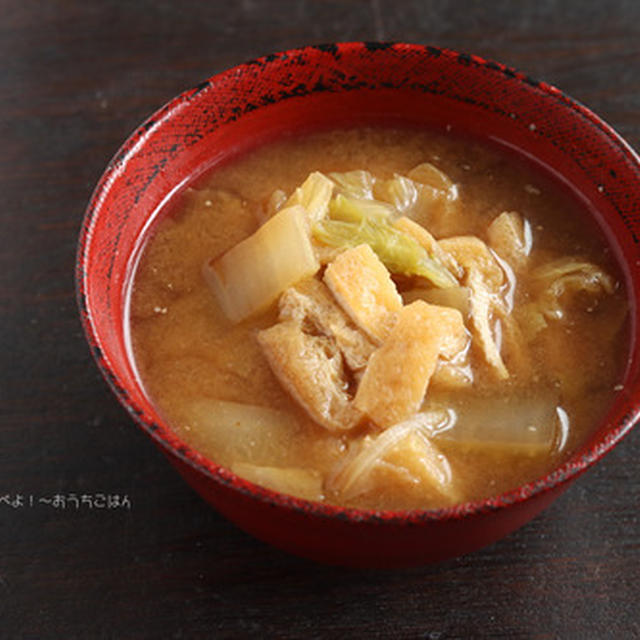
[[337, 85]]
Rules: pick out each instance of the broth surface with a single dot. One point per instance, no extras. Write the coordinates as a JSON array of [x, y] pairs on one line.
[[186, 350]]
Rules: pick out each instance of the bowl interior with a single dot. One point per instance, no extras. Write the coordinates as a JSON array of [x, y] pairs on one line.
[[335, 86]]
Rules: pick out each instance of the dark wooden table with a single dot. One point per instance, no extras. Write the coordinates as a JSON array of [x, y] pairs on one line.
[[77, 77]]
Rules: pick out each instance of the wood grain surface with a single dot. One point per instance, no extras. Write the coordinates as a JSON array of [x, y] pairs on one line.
[[76, 77]]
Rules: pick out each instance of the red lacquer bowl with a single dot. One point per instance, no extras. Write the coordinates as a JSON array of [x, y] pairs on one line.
[[339, 85]]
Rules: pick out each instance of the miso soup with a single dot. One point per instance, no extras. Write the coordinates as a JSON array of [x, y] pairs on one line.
[[379, 318]]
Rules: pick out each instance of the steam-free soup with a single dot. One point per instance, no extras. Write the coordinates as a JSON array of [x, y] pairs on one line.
[[379, 318]]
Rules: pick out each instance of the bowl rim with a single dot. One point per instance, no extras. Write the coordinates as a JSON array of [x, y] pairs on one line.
[[162, 434]]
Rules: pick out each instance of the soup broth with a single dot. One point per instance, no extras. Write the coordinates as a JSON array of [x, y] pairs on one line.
[[536, 304]]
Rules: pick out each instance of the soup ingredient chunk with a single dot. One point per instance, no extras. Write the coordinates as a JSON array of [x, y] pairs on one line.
[[303, 483], [304, 352], [270, 207], [396, 378], [455, 297], [556, 287], [510, 237], [484, 277], [398, 251], [523, 422], [313, 195], [562, 279], [312, 370], [357, 183], [311, 304], [437, 205], [399, 191], [482, 301], [429, 175], [350, 209], [430, 244], [363, 287], [283, 251], [405, 450], [472, 254], [242, 432]]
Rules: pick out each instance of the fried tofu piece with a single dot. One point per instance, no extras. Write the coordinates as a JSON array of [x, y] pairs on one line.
[[399, 456], [473, 254], [510, 237], [363, 287], [314, 351], [396, 378], [480, 312], [425, 466], [311, 369], [311, 303], [514, 347], [452, 376], [402, 453], [485, 278]]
